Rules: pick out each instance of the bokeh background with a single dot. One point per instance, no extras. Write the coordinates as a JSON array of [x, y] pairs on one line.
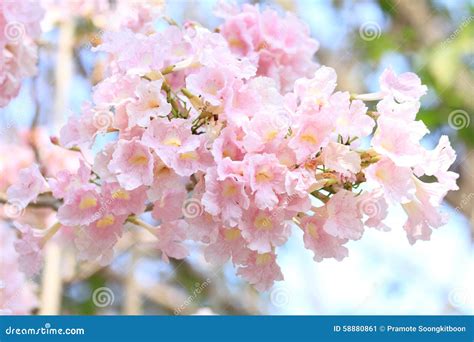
[[384, 274]]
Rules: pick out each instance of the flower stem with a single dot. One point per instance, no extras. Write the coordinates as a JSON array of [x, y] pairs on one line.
[[50, 233], [136, 221], [320, 196]]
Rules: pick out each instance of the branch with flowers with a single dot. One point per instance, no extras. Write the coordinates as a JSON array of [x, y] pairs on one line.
[[229, 138]]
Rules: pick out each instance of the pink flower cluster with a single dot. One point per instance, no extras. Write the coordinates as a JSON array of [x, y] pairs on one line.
[[231, 138], [17, 295], [137, 15], [280, 47], [19, 26]]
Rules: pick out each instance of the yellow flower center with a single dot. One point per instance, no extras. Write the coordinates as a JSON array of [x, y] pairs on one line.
[[105, 221], [87, 202], [162, 171], [172, 141], [232, 234], [121, 194], [381, 174], [227, 153], [192, 155], [309, 137], [270, 135], [264, 175], [387, 144], [229, 190], [235, 42], [212, 88], [263, 259], [313, 231], [320, 101], [263, 222], [139, 159], [153, 103]]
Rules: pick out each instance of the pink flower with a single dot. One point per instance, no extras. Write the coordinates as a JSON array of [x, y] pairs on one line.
[[281, 47], [229, 243], [164, 181], [213, 84], [192, 157], [132, 162], [319, 241], [295, 204], [315, 92], [399, 140], [404, 87], [151, 103], [423, 213], [17, 61], [437, 162], [19, 26], [212, 51], [259, 94], [132, 53], [264, 229], [343, 216], [341, 158], [82, 207], [97, 240], [227, 145], [119, 201], [299, 182], [241, 29], [202, 226], [266, 177], [173, 142], [66, 182], [261, 270], [29, 249], [29, 14], [405, 111], [116, 89], [396, 181], [81, 129], [101, 163], [225, 198], [17, 294], [170, 237], [352, 119], [170, 206], [266, 130], [311, 133], [29, 185]]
